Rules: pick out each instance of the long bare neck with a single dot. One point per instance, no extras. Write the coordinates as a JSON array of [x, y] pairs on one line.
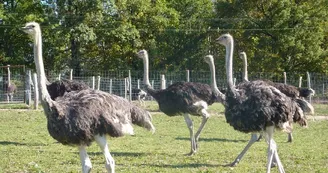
[[245, 72], [229, 60], [213, 81], [40, 67], [146, 71], [9, 80], [150, 90]]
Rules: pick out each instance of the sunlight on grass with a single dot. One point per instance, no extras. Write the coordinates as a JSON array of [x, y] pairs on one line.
[[26, 146]]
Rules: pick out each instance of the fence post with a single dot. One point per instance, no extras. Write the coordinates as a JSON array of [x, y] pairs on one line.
[[110, 85], [93, 82], [125, 87], [71, 74], [28, 88], [163, 82], [138, 83], [130, 86], [98, 82], [36, 91], [285, 78], [188, 75], [300, 82], [309, 84]]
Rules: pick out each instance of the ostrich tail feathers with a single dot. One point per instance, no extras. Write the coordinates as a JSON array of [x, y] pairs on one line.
[[305, 106]]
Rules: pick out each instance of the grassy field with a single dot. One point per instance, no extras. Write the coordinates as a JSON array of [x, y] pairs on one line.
[[26, 146]]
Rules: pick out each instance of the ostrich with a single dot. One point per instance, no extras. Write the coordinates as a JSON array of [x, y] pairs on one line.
[[11, 87], [81, 117], [289, 90], [60, 87], [256, 106], [182, 98], [138, 94]]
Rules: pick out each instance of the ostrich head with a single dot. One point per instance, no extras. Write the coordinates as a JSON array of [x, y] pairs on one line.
[[31, 28], [209, 59], [142, 118], [242, 55], [224, 39], [142, 54]]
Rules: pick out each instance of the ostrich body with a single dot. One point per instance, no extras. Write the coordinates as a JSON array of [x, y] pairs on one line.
[[11, 87], [60, 87], [257, 106], [182, 98], [80, 117], [289, 90]]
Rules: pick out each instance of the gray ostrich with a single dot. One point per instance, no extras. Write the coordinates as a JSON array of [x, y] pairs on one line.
[[182, 98], [80, 117], [11, 87], [256, 106], [289, 90]]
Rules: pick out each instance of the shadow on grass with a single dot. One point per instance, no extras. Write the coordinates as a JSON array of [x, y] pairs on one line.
[[20, 144], [214, 139], [118, 154], [192, 165]]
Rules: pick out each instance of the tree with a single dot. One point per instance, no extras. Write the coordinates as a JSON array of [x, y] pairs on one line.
[[282, 35]]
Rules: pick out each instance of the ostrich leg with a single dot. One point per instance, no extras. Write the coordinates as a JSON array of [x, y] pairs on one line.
[[290, 137], [85, 160], [241, 155], [110, 163], [192, 137], [205, 117], [272, 151]]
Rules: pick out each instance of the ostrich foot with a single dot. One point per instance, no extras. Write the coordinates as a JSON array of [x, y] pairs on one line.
[[191, 153], [233, 164]]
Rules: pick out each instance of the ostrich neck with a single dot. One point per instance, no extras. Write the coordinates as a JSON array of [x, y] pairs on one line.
[[213, 79], [9, 82], [245, 72], [146, 71], [229, 60], [40, 67]]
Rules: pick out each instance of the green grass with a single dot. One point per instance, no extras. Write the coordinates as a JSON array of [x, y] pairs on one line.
[[25, 146]]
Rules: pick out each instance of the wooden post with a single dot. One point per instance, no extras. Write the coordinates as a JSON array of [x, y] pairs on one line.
[[59, 76], [98, 82], [138, 83], [130, 86], [71, 74], [285, 78], [188, 75], [309, 84], [36, 91], [300, 82], [163, 82], [28, 87], [125, 87], [93, 82], [152, 84], [110, 85]]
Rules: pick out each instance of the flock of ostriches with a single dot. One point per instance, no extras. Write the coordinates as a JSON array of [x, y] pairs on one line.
[[77, 115]]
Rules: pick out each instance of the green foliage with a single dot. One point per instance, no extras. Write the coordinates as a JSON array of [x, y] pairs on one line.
[[100, 35]]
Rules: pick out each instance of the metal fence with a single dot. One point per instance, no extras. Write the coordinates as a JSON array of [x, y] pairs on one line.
[[115, 81]]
